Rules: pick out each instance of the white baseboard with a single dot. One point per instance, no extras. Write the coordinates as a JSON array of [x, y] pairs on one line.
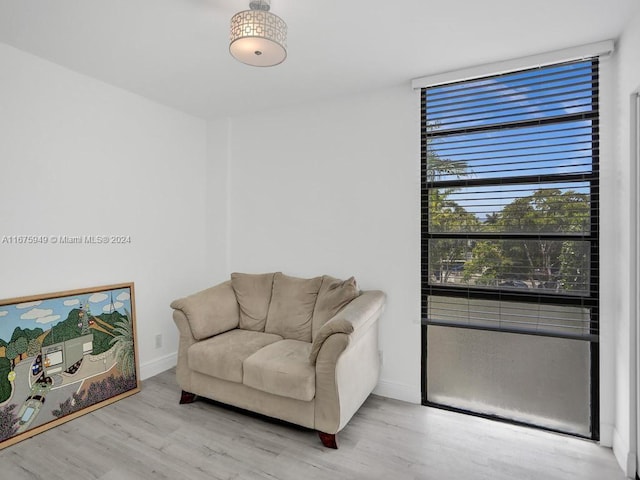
[[398, 391], [625, 457], [632, 466], [606, 435], [158, 365]]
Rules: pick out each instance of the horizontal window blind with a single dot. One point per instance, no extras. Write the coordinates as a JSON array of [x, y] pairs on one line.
[[547, 319], [510, 200]]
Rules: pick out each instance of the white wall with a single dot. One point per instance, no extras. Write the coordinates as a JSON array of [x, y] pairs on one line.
[[217, 201], [79, 157], [334, 188], [627, 81]]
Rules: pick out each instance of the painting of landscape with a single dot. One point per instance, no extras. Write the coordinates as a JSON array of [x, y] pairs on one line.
[[63, 355]]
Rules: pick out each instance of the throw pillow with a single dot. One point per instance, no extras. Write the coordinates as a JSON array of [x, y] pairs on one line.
[[333, 296]]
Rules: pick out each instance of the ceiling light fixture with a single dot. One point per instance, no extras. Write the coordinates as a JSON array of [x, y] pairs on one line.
[[258, 37]]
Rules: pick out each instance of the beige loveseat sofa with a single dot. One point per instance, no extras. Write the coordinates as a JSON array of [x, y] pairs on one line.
[[300, 350]]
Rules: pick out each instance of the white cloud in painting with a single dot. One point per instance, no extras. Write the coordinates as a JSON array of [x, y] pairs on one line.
[[110, 308], [3, 313], [36, 313], [28, 304], [71, 303], [98, 297], [123, 296], [49, 319]]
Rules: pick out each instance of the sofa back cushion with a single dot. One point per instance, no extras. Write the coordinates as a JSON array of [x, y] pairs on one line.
[[253, 292], [333, 296], [291, 311]]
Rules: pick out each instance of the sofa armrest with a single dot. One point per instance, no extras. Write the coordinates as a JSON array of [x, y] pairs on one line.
[[183, 374], [210, 312], [352, 320], [348, 364]]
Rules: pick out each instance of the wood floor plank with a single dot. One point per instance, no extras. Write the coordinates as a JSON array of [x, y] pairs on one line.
[[150, 436]]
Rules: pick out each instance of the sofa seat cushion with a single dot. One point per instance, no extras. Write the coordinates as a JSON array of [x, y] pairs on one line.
[[282, 368], [222, 356]]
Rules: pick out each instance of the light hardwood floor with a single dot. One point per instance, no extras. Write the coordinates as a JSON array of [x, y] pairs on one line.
[[150, 436]]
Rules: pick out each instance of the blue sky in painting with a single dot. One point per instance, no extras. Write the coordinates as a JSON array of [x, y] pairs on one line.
[[46, 313]]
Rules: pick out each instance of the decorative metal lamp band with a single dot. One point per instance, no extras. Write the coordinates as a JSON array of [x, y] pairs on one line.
[[258, 37]]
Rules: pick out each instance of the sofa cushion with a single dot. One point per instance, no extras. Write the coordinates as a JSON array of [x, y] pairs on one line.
[[282, 368], [253, 292], [337, 325], [211, 311], [292, 304], [333, 296], [222, 356]]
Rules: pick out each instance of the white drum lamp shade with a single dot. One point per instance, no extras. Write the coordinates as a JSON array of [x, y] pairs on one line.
[[258, 37]]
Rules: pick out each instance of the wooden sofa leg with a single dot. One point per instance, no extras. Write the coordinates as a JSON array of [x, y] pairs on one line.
[[187, 397], [329, 440]]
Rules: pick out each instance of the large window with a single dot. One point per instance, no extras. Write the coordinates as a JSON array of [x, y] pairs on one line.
[[510, 243]]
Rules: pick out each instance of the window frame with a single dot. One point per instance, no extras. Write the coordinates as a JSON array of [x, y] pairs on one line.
[[589, 301]]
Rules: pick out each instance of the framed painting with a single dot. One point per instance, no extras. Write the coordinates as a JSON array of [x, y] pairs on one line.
[[63, 355]]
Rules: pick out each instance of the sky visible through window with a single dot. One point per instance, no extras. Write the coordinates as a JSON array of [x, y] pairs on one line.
[[513, 155], [539, 148]]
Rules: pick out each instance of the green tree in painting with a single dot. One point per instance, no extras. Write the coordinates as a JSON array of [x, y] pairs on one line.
[[11, 353], [21, 346], [102, 339], [65, 330], [5, 384], [123, 342], [27, 332], [33, 348], [17, 333]]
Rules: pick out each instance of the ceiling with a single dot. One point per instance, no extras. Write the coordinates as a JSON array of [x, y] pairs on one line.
[[176, 51]]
